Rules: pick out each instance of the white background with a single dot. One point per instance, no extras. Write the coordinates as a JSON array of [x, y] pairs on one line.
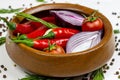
[[106, 7]]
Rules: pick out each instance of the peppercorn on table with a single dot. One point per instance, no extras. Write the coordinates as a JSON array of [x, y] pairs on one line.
[[11, 71]]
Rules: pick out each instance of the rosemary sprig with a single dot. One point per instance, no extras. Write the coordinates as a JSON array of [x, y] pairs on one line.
[[98, 75], [3, 11], [2, 40]]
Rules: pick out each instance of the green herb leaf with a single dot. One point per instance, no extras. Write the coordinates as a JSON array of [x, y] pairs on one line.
[[37, 77], [40, 0], [3, 11], [116, 31], [98, 74], [2, 40], [33, 18], [32, 77]]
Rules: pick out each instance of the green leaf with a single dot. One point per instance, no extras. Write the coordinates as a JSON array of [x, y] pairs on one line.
[[98, 74], [40, 0], [33, 18], [2, 40], [3, 11], [116, 31]]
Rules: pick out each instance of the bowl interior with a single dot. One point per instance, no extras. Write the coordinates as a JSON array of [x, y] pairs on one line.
[[43, 10]]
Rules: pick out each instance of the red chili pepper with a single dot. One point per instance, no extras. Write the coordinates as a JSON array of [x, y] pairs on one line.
[[42, 43], [61, 33], [18, 28], [50, 19], [26, 27], [36, 33], [23, 29], [30, 26]]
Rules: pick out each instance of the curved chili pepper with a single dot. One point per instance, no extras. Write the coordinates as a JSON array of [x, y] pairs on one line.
[[41, 28], [23, 29], [61, 33], [36, 33], [42, 43], [33, 18], [50, 19], [26, 27], [18, 28]]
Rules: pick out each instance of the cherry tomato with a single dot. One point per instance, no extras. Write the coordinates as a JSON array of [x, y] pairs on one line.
[[56, 49], [92, 25]]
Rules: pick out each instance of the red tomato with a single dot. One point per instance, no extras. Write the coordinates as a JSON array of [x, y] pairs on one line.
[[56, 50], [92, 25]]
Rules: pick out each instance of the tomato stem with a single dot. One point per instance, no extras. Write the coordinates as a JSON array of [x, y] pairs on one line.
[[51, 46], [93, 14], [91, 18]]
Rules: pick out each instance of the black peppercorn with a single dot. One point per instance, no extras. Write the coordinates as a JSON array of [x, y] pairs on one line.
[[2, 66], [117, 24], [111, 63], [114, 13], [113, 59], [119, 77], [0, 71], [5, 69], [116, 49], [117, 72], [4, 76]]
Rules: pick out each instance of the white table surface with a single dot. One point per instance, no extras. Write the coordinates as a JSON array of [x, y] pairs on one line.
[[106, 7]]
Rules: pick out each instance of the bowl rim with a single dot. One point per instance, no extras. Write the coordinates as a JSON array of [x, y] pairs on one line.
[[107, 32]]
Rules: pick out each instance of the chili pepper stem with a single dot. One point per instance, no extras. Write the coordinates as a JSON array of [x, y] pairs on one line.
[[51, 46], [49, 35], [11, 25], [28, 42], [22, 37]]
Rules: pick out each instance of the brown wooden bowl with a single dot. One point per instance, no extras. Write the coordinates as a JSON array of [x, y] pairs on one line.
[[65, 65]]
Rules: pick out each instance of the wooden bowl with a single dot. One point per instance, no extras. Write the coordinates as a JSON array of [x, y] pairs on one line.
[[66, 65]]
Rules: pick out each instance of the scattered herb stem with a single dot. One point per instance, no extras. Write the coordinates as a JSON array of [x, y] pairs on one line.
[[33, 18], [2, 40], [3, 11], [40, 0]]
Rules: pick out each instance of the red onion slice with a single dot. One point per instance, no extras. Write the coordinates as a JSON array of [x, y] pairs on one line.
[[82, 41], [70, 17]]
